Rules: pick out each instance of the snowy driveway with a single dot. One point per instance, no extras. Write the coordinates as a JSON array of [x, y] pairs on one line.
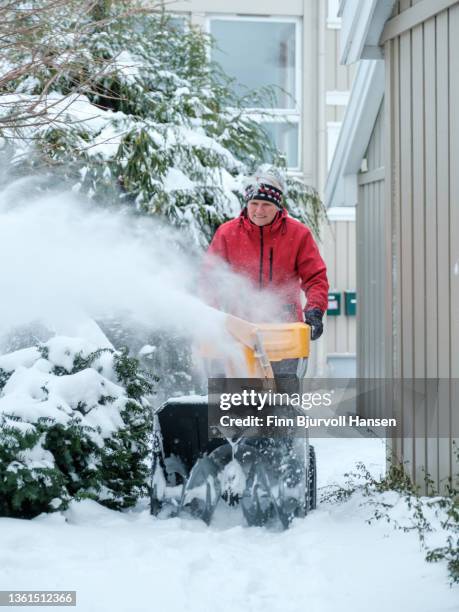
[[332, 561]]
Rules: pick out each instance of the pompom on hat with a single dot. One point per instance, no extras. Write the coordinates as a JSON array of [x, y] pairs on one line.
[[266, 184]]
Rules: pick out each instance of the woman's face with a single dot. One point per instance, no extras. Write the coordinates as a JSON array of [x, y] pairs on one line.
[[261, 212]]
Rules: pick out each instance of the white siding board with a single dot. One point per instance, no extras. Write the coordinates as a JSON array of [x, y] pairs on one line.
[[443, 224], [406, 280], [396, 245], [330, 60], [341, 273], [361, 328], [419, 262], [330, 260], [339, 250], [454, 222], [431, 331], [370, 266], [351, 340], [454, 187]]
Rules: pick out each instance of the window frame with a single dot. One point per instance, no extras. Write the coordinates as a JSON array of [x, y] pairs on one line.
[[276, 115]]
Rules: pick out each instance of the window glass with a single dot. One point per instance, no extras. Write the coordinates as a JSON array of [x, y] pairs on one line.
[[285, 136], [178, 22], [258, 54]]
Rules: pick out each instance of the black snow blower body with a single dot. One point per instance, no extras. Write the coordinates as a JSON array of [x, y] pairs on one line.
[[272, 479]]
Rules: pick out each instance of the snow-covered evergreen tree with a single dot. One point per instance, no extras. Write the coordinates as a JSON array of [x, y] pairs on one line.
[[74, 422], [143, 118]]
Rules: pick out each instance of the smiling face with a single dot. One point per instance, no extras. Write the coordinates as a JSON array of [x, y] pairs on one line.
[[261, 212]]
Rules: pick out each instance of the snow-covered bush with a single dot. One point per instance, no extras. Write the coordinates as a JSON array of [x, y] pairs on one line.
[[74, 422], [157, 126], [396, 499]]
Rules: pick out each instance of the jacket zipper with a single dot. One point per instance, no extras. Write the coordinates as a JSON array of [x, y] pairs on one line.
[[261, 258], [271, 265]]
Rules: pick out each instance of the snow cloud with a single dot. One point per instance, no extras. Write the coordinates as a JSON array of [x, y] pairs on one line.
[[65, 260]]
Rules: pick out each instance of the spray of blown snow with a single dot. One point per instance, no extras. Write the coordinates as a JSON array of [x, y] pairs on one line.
[[66, 262]]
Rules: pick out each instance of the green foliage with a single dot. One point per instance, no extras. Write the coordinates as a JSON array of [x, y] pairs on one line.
[[44, 462], [80, 361], [26, 490], [124, 463], [445, 508], [157, 106], [75, 455], [127, 370], [448, 505]]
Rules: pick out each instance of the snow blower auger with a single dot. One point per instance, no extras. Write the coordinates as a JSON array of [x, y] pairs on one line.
[[272, 479]]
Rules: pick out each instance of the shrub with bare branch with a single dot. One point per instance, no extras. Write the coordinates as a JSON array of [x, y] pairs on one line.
[[43, 50]]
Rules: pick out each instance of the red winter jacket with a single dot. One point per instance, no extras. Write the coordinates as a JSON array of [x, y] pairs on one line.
[[282, 256]]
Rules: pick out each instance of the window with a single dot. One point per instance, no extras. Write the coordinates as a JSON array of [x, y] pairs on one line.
[[286, 137], [258, 53]]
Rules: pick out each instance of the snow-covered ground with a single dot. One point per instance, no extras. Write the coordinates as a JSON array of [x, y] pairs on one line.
[[330, 561]]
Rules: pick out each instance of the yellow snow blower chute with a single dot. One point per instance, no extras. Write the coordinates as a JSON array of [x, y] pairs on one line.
[[266, 343]]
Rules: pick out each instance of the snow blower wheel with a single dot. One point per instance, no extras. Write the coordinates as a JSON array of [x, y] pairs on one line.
[[312, 480]]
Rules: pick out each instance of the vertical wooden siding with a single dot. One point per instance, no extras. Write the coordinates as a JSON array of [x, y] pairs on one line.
[[370, 270], [423, 96], [454, 211], [339, 255]]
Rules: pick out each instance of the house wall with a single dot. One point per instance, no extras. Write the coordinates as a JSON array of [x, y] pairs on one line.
[[421, 46], [340, 254], [370, 264], [370, 230]]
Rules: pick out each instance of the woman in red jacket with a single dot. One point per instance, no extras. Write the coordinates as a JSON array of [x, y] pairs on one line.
[[276, 252]]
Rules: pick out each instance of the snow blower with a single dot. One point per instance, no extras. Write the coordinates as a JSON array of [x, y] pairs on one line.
[[272, 479]]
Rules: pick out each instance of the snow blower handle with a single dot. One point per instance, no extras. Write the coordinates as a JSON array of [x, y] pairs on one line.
[[259, 353], [268, 342]]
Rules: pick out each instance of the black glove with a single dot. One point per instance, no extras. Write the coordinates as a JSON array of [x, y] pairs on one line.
[[313, 318]]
